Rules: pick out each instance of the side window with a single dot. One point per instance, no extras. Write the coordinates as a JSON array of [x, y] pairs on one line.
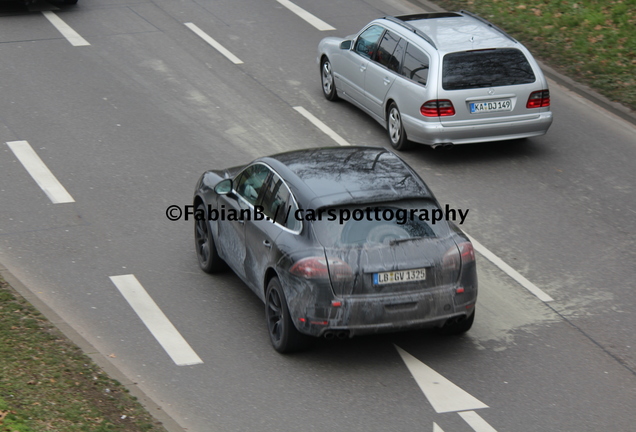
[[250, 182], [279, 205], [386, 56], [415, 65], [398, 56], [368, 41]]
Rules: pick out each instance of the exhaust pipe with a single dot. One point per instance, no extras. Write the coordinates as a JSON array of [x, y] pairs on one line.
[[343, 334], [329, 335], [448, 146]]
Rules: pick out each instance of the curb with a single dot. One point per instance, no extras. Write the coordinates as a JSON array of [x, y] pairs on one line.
[[583, 90], [151, 406]]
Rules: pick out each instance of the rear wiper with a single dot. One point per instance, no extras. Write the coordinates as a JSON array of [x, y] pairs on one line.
[[403, 240]]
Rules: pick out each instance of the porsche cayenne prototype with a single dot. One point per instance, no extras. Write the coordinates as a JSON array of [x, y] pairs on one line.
[[337, 242], [438, 79]]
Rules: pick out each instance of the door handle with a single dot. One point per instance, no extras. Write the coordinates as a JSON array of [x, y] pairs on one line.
[[241, 221], [387, 80], [363, 67], [267, 244]]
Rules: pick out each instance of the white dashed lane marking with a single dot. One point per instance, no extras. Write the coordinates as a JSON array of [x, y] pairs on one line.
[[510, 271], [220, 48], [476, 422], [320, 125], [71, 35], [40, 173], [155, 320], [311, 19]]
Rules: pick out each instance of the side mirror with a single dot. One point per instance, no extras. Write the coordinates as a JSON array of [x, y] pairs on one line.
[[345, 45], [223, 187]]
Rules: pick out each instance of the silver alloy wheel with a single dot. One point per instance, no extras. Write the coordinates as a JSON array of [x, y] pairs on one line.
[[395, 125], [327, 78]]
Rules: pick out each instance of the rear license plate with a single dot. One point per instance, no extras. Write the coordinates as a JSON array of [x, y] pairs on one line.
[[399, 276], [484, 107]]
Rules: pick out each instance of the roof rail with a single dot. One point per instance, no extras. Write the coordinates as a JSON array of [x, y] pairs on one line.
[[411, 28], [488, 23]]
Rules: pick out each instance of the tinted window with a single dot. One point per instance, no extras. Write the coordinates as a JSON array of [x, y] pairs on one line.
[[250, 182], [486, 68], [279, 205], [415, 65], [368, 41], [392, 222], [386, 51]]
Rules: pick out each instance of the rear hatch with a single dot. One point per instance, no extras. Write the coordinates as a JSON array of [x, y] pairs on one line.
[[489, 86], [388, 251]]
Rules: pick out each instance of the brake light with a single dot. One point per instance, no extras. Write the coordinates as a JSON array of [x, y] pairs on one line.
[[466, 252], [455, 258], [437, 108], [318, 268], [539, 99]]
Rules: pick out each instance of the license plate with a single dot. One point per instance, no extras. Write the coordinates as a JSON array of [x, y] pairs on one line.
[[493, 106], [399, 276]]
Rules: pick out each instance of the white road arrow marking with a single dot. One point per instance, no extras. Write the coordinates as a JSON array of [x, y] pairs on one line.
[[442, 394], [476, 422]]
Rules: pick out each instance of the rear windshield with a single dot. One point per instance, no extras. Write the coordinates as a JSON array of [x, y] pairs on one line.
[[486, 68], [384, 223]]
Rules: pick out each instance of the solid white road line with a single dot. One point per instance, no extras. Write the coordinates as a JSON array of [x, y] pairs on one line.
[[476, 422], [442, 394], [436, 428], [220, 48], [158, 324], [510, 271], [40, 173], [323, 127], [311, 19], [71, 35]]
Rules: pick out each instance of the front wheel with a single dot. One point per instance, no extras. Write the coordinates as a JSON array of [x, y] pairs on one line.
[[395, 128], [282, 332], [209, 259], [327, 80]]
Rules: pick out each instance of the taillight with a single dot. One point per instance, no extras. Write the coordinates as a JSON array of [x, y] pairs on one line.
[[466, 252], [539, 99], [437, 108], [318, 268], [455, 258]]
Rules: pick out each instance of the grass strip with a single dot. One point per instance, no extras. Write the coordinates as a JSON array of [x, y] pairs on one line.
[[48, 384], [591, 41]]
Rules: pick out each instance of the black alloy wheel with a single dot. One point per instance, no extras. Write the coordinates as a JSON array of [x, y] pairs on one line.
[[282, 332], [209, 259]]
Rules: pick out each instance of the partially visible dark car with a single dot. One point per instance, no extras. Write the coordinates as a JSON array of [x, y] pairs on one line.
[[335, 277], [30, 2]]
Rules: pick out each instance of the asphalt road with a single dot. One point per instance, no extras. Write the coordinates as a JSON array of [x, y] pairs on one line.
[[127, 119]]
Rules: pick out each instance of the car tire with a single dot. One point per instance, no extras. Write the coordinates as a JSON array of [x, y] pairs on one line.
[[327, 80], [459, 327], [283, 334], [395, 129], [209, 259]]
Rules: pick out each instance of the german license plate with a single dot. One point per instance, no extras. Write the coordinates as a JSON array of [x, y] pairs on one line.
[[399, 276], [492, 106]]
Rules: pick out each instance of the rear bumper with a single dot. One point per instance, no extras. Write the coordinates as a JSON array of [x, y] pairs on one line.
[[370, 314], [434, 133]]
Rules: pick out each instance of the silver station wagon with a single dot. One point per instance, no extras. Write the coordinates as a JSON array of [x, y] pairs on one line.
[[438, 79]]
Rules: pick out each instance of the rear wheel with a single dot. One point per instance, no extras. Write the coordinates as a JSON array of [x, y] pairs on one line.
[[282, 332], [209, 259], [395, 128], [458, 327], [327, 80]]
